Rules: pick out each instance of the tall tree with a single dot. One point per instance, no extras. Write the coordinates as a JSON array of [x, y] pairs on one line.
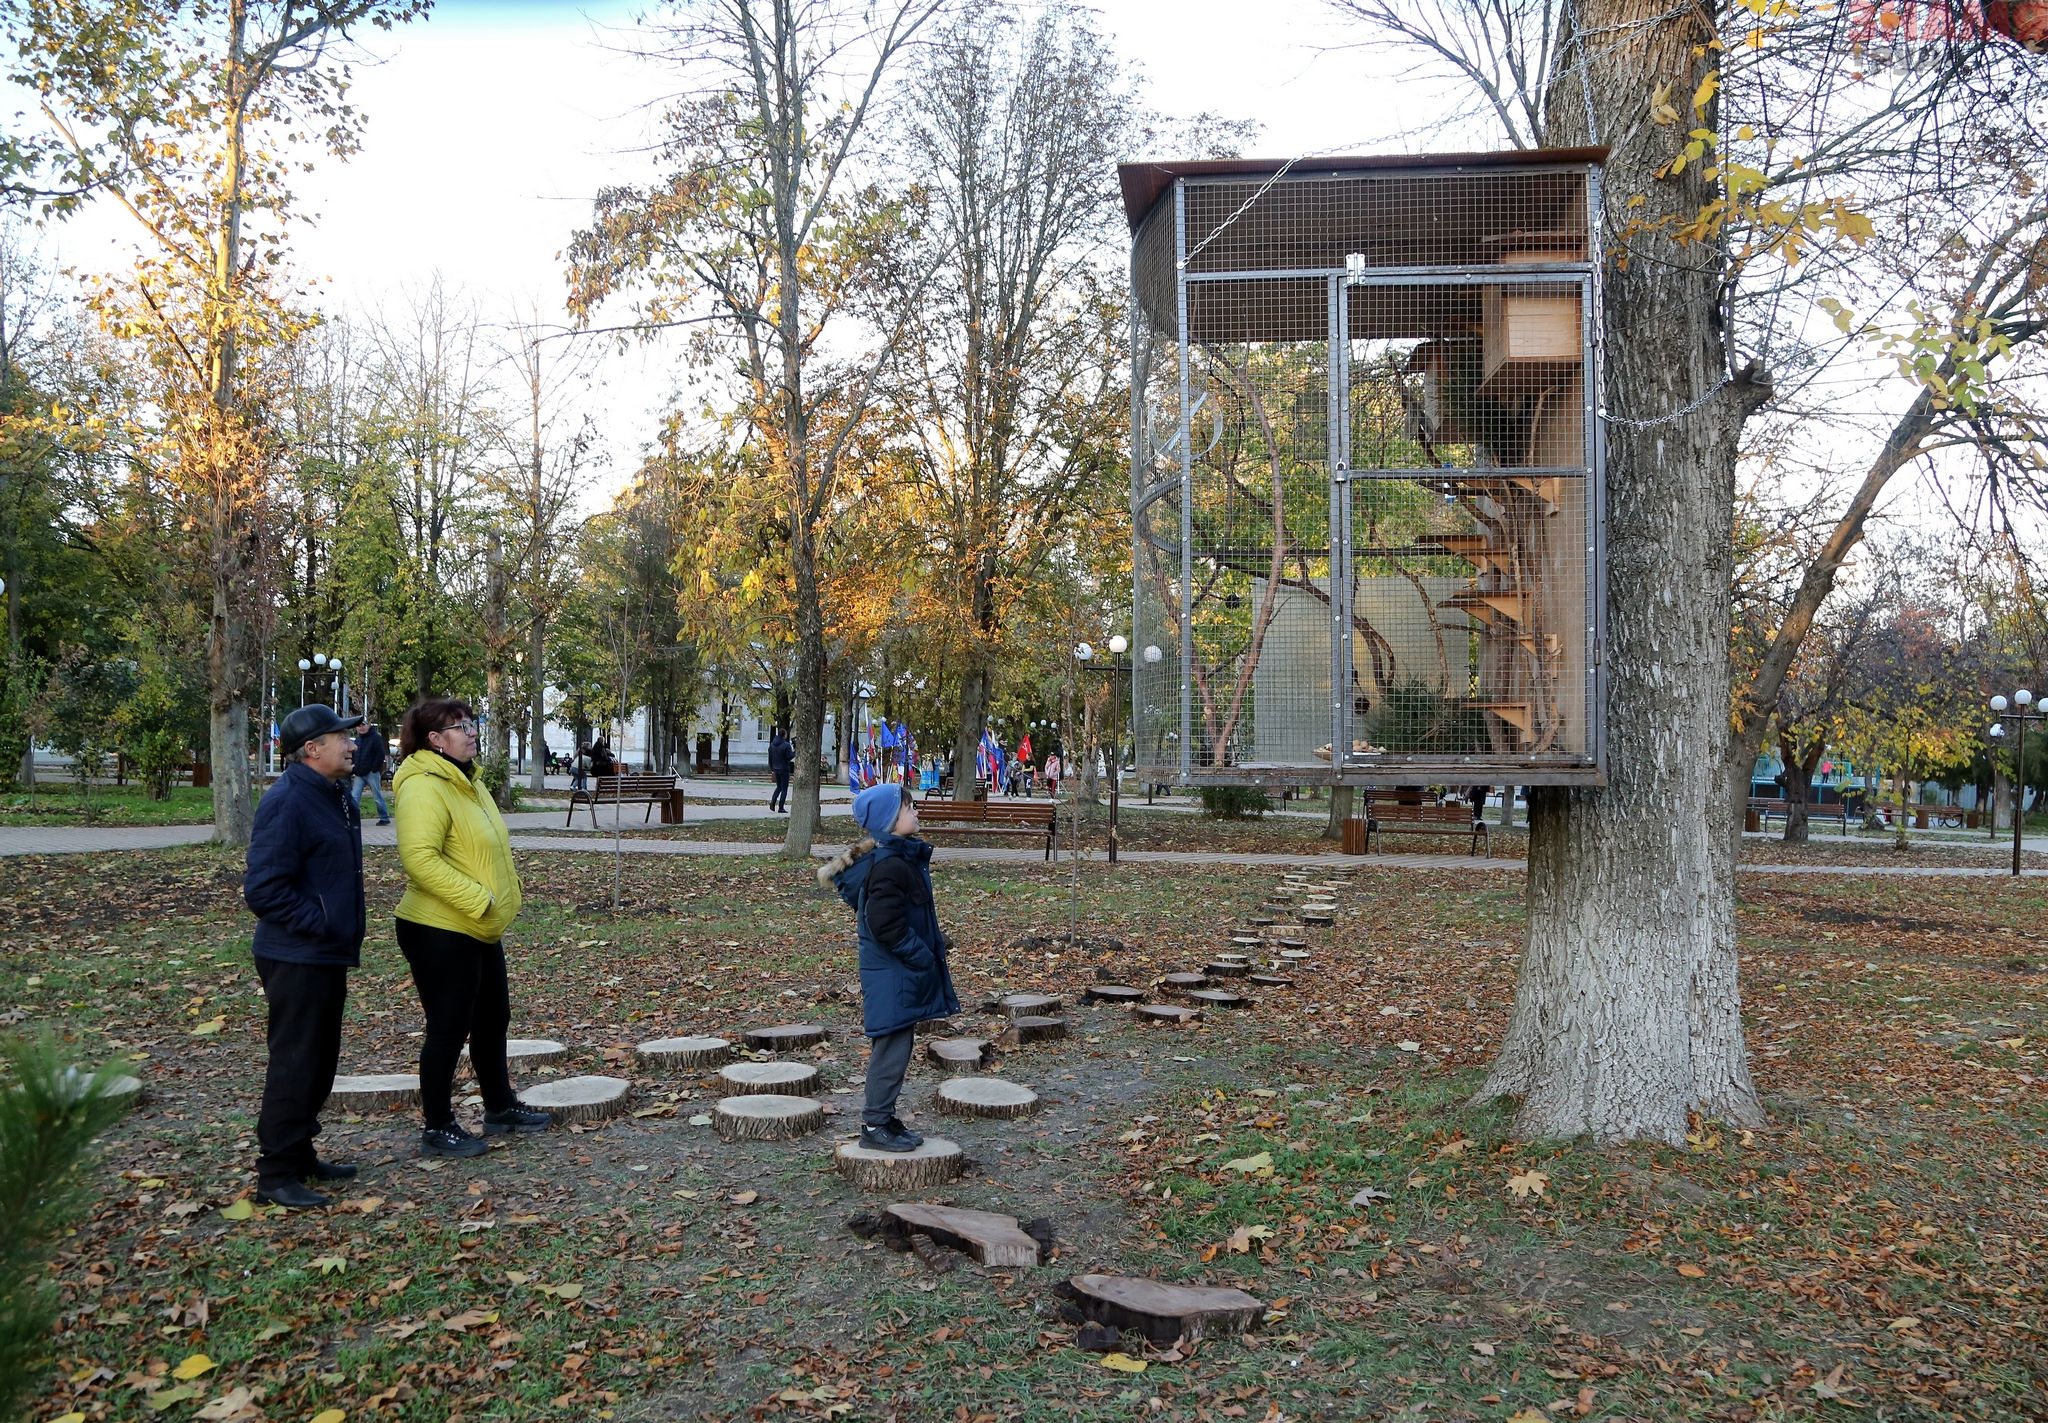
[[189, 115], [1012, 383], [763, 232]]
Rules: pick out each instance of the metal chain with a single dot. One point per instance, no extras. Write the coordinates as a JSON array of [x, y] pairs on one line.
[[1680, 414]]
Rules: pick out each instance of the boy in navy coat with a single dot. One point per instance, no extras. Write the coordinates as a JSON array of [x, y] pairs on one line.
[[887, 880]]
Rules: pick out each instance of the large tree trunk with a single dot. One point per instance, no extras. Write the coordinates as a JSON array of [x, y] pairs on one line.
[[537, 708], [1627, 1013], [1798, 790], [1340, 810], [976, 686], [809, 708], [234, 811]]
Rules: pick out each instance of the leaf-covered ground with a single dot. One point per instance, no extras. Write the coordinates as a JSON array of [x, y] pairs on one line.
[[1877, 1253], [64, 803]]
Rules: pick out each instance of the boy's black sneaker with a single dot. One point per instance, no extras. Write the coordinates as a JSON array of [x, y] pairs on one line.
[[893, 1137], [517, 1117], [450, 1140]]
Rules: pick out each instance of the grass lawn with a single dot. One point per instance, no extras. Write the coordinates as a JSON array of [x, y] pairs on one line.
[[59, 803], [1880, 1252]]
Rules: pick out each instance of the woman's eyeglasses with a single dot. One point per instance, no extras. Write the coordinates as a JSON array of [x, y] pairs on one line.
[[464, 726]]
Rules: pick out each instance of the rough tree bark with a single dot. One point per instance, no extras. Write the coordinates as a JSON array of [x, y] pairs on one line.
[[1340, 811], [1627, 1014]]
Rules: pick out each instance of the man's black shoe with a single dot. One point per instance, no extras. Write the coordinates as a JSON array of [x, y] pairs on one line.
[[517, 1117], [331, 1171], [293, 1195], [450, 1140], [893, 1137]]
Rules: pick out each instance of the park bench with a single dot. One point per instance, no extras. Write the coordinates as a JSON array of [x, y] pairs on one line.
[[1765, 807], [1400, 817], [650, 791], [1027, 819]]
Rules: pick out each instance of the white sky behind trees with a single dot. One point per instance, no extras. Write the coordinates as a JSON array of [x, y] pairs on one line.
[[493, 124]]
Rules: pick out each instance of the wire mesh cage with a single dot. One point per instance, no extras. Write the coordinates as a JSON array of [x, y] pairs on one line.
[[1365, 477]]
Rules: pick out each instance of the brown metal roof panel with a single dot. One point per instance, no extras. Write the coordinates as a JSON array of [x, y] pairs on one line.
[[1143, 183]]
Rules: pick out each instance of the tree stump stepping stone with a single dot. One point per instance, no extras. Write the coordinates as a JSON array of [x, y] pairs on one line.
[[960, 1054], [784, 1036], [1319, 918], [373, 1092], [121, 1088], [992, 1239], [788, 1079], [986, 1097], [683, 1052], [1218, 998], [1260, 921], [1292, 941], [1181, 982], [579, 1099], [934, 1163], [1113, 993], [1019, 1005], [1294, 955], [1270, 980], [529, 1052], [1249, 941], [1155, 1014], [942, 1027], [1164, 1313], [1286, 933], [766, 1117], [1227, 969], [1031, 1028]]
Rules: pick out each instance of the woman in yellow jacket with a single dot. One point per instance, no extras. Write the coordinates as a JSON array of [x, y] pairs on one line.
[[461, 893]]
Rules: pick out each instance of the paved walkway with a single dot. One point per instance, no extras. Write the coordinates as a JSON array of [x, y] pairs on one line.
[[81, 840]]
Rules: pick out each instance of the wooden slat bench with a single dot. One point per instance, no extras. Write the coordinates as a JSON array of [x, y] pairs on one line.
[[650, 791], [1390, 817], [1024, 819], [1766, 807]]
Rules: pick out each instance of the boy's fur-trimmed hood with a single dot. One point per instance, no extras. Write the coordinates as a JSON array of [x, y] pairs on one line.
[[845, 860]]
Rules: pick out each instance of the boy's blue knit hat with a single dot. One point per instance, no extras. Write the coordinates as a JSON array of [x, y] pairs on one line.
[[874, 809]]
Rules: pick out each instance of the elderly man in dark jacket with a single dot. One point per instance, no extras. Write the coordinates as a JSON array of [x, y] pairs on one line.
[[305, 884]]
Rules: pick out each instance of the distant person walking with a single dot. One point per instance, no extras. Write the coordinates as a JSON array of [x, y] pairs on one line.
[[304, 882], [371, 753], [461, 894], [1053, 769], [781, 761], [579, 768], [602, 762]]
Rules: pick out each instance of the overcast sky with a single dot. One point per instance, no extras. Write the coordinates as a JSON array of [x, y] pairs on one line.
[[493, 123]]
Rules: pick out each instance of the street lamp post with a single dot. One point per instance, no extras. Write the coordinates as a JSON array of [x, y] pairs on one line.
[[327, 665], [1118, 646], [2017, 712]]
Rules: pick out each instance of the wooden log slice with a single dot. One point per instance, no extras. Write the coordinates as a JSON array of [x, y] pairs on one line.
[[783, 1036], [996, 1240], [1292, 941], [1221, 969], [986, 1097], [1034, 1029], [1248, 941], [1294, 955], [73, 1082], [1285, 933], [1113, 993], [960, 1054], [1019, 1005], [766, 1117], [528, 1052], [683, 1052], [787, 1079], [579, 1099], [1156, 1014], [1178, 982], [1273, 907], [1232, 956], [1319, 918], [374, 1092], [1260, 921], [1163, 1312], [1270, 980], [934, 1163], [1218, 998]]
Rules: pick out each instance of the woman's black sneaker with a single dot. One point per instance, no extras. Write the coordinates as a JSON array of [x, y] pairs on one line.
[[893, 1137], [450, 1140], [517, 1117]]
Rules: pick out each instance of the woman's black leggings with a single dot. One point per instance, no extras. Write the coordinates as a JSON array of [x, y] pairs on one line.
[[464, 992]]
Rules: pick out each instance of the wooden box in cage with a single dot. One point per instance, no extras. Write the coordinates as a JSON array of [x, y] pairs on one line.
[[1365, 481]]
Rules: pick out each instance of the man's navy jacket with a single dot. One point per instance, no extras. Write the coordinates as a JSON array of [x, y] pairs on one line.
[[305, 876]]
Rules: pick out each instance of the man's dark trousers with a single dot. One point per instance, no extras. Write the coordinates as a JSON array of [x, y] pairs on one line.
[[305, 1046]]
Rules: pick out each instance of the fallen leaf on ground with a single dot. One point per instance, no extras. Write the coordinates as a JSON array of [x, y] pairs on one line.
[[1527, 1184], [208, 1028], [745, 1198], [329, 1415], [469, 1319], [1692, 1271], [193, 1367], [238, 1210], [1259, 1165], [1370, 1194], [236, 1403], [1123, 1363]]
